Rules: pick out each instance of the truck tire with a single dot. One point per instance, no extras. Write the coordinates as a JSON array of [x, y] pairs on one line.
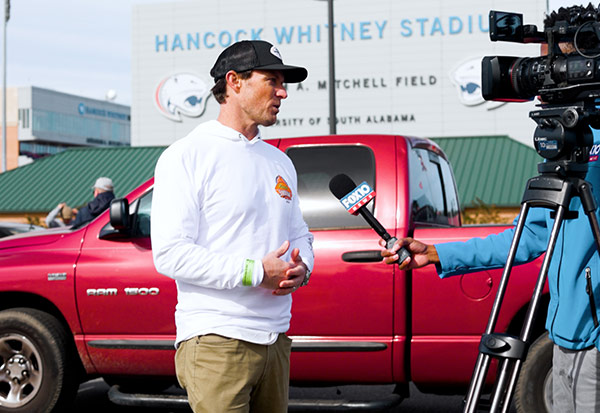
[[37, 368], [534, 388]]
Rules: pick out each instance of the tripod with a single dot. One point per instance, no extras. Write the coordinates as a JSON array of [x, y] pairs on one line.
[[558, 183]]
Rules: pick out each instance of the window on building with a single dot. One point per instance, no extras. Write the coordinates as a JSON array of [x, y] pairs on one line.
[[81, 130], [39, 150], [24, 118]]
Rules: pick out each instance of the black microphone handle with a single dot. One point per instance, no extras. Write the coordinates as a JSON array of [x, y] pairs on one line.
[[374, 223], [382, 232]]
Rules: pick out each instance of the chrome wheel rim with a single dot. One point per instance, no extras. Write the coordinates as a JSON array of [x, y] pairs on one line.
[[20, 370]]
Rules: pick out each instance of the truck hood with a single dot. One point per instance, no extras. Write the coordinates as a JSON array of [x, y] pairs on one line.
[[41, 237]]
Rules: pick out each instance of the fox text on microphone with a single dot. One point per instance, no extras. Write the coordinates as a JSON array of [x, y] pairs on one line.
[[359, 196]]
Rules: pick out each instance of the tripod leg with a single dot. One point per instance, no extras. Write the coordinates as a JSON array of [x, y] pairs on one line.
[[512, 385], [483, 360], [509, 373], [482, 366], [547, 191]]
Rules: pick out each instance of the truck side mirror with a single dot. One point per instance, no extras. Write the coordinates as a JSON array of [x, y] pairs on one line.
[[119, 214], [119, 225]]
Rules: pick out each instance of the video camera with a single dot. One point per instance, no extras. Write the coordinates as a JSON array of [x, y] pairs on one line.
[[567, 82], [556, 77]]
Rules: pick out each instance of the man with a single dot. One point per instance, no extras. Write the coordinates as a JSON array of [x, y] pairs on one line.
[[103, 194], [66, 215], [227, 226], [573, 276]]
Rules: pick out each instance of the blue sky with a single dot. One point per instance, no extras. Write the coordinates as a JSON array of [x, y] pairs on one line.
[[75, 46], [81, 47]]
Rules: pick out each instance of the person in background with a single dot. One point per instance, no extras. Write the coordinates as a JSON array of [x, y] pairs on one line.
[[227, 226], [62, 211], [103, 194]]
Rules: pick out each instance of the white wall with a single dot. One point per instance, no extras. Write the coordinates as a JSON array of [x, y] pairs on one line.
[[396, 62]]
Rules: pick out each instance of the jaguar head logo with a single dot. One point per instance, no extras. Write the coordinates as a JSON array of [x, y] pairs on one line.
[[181, 94]]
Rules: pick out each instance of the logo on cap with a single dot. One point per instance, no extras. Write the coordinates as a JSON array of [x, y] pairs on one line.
[[275, 52], [181, 94]]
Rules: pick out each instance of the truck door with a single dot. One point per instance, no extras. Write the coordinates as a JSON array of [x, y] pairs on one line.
[[449, 315], [342, 322], [126, 307]]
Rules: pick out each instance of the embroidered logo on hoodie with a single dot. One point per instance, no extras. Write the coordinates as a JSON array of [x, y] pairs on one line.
[[282, 188]]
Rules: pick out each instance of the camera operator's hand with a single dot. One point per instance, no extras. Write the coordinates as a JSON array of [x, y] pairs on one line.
[[420, 254]]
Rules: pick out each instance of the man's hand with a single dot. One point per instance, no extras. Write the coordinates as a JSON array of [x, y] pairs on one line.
[[420, 254], [294, 275], [280, 276]]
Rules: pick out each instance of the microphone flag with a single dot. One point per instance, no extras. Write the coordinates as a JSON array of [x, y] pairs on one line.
[[359, 197]]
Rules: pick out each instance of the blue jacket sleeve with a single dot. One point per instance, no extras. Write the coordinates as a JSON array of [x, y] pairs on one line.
[[479, 254]]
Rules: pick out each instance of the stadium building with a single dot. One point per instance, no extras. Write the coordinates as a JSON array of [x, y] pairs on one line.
[[43, 122], [411, 68]]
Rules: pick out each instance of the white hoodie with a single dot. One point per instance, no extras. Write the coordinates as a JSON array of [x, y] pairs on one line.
[[220, 204]]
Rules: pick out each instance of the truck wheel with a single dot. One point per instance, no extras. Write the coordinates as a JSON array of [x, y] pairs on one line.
[[37, 369], [534, 388]]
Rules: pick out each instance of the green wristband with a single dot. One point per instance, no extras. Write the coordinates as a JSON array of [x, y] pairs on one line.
[[248, 270]]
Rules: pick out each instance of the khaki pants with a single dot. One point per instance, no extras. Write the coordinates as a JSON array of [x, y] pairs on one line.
[[228, 375]]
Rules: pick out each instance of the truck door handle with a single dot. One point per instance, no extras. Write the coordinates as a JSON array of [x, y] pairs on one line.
[[362, 256]]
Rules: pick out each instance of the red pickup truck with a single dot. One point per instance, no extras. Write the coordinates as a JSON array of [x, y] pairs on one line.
[[85, 302]]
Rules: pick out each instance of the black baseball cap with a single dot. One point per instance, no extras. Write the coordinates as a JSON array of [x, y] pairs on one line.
[[255, 55]]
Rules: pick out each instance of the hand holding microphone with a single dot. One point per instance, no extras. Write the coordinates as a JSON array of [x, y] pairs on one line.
[[420, 254], [354, 198]]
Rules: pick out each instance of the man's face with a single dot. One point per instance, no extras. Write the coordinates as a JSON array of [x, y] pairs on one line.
[[261, 95]]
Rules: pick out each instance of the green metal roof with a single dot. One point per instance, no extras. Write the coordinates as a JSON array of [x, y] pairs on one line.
[[494, 169], [69, 176]]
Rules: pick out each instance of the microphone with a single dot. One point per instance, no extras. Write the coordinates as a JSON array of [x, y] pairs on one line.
[[354, 198]]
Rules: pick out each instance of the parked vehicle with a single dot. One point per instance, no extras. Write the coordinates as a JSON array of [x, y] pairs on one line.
[[11, 228], [88, 302]]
